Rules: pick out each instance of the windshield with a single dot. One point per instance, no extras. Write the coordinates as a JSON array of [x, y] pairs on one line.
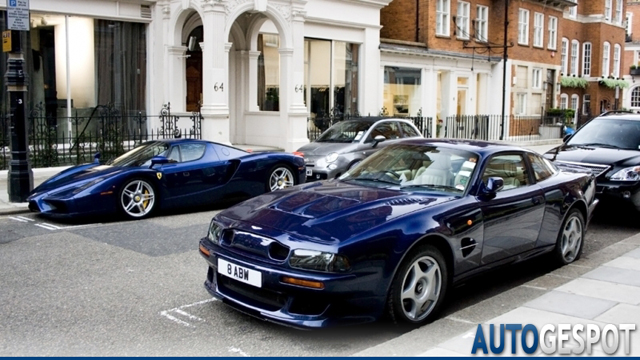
[[425, 167], [345, 132], [141, 155], [614, 133]]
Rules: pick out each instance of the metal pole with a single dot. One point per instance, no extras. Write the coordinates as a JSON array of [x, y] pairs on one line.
[[20, 179], [504, 65], [68, 70]]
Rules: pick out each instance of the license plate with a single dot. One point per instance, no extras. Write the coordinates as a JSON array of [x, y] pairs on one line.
[[309, 172], [240, 273]]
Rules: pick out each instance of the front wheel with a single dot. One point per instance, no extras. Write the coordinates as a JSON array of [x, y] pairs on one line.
[[570, 238], [419, 287], [280, 177], [137, 199]]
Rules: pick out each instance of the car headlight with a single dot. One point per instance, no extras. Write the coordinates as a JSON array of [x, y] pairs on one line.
[[319, 261], [627, 174], [215, 232], [331, 157], [87, 185]]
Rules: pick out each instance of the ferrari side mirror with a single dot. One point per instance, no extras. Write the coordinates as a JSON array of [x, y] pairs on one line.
[[159, 160], [96, 158]]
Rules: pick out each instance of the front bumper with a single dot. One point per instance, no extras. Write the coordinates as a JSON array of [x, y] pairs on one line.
[[318, 168], [628, 192], [287, 304], [67, 207]]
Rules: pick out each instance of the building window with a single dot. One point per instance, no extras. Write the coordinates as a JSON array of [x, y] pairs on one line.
[[573, 10], [574, 106], [564, 101], [607, 9], [443, 8], [402, 90], [536, 79], [523, 27], [482, 25], [553, 32], [606, 49], [462, 20], [575, 46], [538, 26], [521, 104], [563, 56], [331, 78], [586, 59], [618, 17], [586, 104], [616, 60], [269, 72], [635, 97], [627, 24]]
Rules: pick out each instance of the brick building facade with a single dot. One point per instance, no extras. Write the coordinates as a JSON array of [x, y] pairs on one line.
[[631, 69]]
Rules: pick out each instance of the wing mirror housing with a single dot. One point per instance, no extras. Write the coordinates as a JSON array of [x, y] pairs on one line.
[[492, 186], [378, 139], [159, 160], [96, 158]]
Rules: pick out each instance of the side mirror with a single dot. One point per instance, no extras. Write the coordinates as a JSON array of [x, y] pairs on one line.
[[566, 138], [378, 139], [493, 185], [96, 158], [159, 160]]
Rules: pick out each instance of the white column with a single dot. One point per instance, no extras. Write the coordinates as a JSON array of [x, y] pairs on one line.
[[369, 73], [297, 29], [177, 77], [252, 86]]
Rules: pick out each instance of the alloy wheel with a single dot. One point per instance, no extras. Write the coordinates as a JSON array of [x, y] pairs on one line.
[[421, 288], [571, 239], [137, 198], [280, 178]]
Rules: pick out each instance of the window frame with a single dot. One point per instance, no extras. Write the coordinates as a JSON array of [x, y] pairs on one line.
[[607, 9], [553, 33], [523, 160], [523, 26], [463, 15], [574, 56], [564, 101], [573, 10], [538, 29], [617, 52], [564, 56], [586, 58], [482, 24], [635, 92], [443, 13], [586, 99], [618, 12], [536, 78], [606, 59], [521, 103]]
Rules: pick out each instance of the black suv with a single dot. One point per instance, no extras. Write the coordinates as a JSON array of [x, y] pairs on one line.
[[609, 145]]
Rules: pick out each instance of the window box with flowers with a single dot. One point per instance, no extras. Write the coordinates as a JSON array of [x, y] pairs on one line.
[[612, 82], [573, 82]]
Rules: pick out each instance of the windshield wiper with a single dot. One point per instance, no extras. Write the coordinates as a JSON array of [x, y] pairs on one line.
[[597, 144], [432, 186]]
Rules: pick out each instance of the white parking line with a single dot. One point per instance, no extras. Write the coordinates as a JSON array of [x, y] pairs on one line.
[[169, 314], [236, 350], [47, 226], [17, 218]]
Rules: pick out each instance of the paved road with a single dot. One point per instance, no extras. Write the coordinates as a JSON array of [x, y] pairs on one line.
[[125, 288]]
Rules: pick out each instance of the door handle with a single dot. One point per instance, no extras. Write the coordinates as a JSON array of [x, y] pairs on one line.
[[537, 200], [186, 173]]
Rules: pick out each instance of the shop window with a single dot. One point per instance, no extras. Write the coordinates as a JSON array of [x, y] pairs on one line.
[[401, 90], [268, 72]]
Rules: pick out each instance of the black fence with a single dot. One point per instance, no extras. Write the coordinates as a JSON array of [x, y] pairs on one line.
[[492, 127], [60, 141]]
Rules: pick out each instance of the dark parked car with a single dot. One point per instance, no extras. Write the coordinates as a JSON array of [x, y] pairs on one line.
[[609, 145], [394, 233], [348, 142], [165, 174]]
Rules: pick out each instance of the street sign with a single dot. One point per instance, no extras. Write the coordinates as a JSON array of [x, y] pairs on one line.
[[18, 15], [6, 41]]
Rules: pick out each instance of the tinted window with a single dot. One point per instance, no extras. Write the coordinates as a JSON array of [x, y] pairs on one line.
[[408, 130], [619, 133], [542, 169], [141, 155], [345, 131], [191, 152], [388, 129], [510, 167], [174, 155]]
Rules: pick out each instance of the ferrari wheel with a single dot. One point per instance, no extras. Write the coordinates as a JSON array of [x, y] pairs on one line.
[[280, 177], [137, 199], [570, 238], [418, 287]]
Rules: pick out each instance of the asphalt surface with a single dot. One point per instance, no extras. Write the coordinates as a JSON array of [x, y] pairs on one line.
[[105, 287]]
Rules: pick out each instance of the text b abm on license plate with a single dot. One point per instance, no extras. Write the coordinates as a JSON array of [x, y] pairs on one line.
[[240, 273]]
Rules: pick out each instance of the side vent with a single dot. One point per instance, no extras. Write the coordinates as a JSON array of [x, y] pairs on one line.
[[145, 11], [467, 245]]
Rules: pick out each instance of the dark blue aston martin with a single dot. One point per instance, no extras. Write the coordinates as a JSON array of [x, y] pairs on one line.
[[394, 233], [165, 174]]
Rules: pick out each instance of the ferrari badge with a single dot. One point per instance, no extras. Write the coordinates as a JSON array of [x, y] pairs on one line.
[[159, 175]]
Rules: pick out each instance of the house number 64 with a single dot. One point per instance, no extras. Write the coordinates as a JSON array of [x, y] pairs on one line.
[[216, 87]]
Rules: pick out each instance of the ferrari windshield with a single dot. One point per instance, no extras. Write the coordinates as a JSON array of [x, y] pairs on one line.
[[612, 133], [345, 131], [432, 168], [141, 155]]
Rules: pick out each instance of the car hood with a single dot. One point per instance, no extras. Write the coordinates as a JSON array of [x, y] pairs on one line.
[[330, 211], [77, 175], [325, 148], [595, 155]]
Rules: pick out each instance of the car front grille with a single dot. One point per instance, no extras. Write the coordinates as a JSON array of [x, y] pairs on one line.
[[255, 246], [267, 299], [596, 169]]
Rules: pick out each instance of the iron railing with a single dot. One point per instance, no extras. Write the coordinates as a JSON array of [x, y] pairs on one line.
[[490, 127], [60, 141]]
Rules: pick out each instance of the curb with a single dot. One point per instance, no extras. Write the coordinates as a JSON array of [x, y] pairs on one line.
[[11, 210]]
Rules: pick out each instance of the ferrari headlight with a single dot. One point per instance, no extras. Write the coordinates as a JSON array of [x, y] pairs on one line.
[[87, 185], [332, 157], [319, 261], [215, 232], [627, 174]]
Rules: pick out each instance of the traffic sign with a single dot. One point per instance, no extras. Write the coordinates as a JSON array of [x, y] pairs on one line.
[[18, 15]]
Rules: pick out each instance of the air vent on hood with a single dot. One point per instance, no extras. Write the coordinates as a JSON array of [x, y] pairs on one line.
[[404, 201]]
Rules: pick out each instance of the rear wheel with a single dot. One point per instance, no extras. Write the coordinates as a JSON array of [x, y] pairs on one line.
[[280, 177], [570, 238], [419, 287], [137, 199]]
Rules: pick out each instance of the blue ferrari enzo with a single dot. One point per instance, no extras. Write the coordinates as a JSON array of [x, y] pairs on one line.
[[394, 233], [165, 174]]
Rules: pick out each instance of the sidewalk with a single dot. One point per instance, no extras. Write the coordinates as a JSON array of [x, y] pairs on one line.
[[602, 288]]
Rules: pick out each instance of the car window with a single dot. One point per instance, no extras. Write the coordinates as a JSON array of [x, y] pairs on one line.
[[510, 167], [141, 155], [388, 129], [191, 152], [174, 155], [605, 132], [541, 167], [345, 131], [408, 130]]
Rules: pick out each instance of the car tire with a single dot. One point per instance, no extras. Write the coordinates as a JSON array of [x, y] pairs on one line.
[[570, 238], [419, 287], [137, 198], [280, 177]]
